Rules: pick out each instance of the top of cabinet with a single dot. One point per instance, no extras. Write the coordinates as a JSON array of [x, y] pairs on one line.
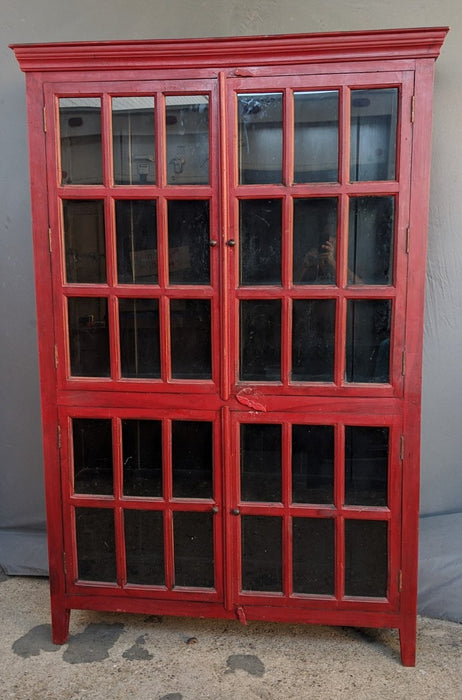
[[225, 52]]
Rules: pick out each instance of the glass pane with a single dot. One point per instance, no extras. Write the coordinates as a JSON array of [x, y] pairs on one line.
[[366, 466], [313, 555], [144, 547], [373, 134], [192, 459], [92, 455], [261, 553], [187, 120], [88, 336], [260, 138], [313, 334], [312, 464], [260, 237], [315, 240], [133, 140], [261, 463], [139, 337], [193, 549], [260, 342], [80, 132], [190, 339], [366, 558], [136, 235], [188, 242], [368, 340], [316, 136], [95, 534], [370, 240], [84, 240], [142, 457]]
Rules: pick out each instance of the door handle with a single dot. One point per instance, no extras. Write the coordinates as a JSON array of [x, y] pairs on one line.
[[215, 510], [231, 243], [235, 511]]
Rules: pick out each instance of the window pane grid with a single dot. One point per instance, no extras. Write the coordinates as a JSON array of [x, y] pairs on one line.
[[297, 569]]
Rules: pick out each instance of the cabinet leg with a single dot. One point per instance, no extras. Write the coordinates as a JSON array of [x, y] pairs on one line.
[[60, 618], [407, 640]]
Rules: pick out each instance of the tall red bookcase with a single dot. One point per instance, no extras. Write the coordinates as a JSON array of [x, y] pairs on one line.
[[230, 241]]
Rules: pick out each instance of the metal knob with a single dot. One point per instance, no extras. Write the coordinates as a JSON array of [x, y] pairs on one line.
[[212, 243], [215, 509], [235, 511], [231, 243]]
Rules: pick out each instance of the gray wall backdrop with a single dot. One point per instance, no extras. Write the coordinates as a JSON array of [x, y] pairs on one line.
[[21, 483]]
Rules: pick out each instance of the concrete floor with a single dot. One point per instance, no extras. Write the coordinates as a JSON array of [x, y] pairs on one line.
[[115, 656]]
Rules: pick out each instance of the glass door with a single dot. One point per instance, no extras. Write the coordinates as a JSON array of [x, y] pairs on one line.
[[134, 232], [317, 279]]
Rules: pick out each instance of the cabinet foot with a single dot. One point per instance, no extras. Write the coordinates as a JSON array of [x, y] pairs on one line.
[[407, 640], [60, 618]]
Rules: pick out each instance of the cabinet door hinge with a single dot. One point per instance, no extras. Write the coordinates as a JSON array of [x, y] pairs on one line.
[[56, 356], [50, 246], [45, 120], [400, 581], [403, 363], [412, 109], [64, 564], [401, 448], [408, 239], [58, 434]]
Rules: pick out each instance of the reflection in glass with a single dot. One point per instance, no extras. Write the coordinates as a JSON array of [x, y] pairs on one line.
[[316, 136], [136, 235], [370, 240], [315, 240], [261, 541], [139, 337], [260, 340], [88, 336], [144, 547], [84, 240], [368, 340], [142, 457], [95, 535], [193, 549], [366, 558], [312, 464], [187, 123], [313, 340], [80, 132], [92, 455], [366, 466], [188, 241], [260, 237], [373, 134], [190, 339], [313, 555], [133, 140], [260, 138], [192, 459], [261, 455]]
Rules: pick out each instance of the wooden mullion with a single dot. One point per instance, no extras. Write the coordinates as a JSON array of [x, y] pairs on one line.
[[339, 497], [167, 493], [288, 137], [286, 478]]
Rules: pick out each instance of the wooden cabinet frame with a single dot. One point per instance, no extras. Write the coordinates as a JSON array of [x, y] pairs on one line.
[[218, 70]]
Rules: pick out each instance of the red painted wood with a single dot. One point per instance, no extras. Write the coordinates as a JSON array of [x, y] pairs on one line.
[[236, 51], [222, 68]]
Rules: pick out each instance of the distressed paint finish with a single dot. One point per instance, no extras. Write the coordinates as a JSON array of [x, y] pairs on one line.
[[222, 68]]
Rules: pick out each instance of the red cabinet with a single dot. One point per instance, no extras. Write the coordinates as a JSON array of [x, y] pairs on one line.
[[230, 258]]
